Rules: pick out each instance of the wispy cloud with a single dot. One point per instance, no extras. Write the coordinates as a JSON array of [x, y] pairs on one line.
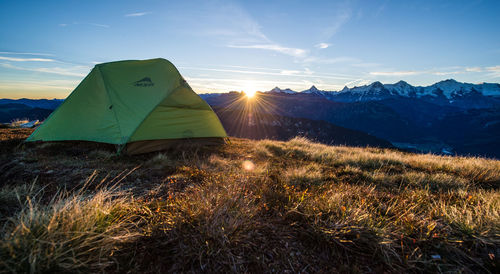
[[322, 45], [227, 21], [204, 85], [76, 71], [395, 73], [98, 25], [357, 82], [25, 53], [290, 72], [274, 47], [39, 84], [493, 72], [238, 29], [339, 19], [36, 88], [474, 69], [443, 73], [335, 60], [137, 14], [89, 24], [16, 59], [365, 65], [495, 68], [306, 73], [380, 9]]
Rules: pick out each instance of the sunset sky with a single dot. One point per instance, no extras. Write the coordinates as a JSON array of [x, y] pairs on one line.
[[47, 47]]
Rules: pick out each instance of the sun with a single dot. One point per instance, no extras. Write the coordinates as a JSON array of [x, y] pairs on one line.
[[250, 94]]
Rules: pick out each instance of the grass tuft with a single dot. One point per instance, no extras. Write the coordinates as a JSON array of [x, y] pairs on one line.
[[249, 206]]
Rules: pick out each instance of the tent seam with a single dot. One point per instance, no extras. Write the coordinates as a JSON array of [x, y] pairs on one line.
[[111, 101], [153, 109]]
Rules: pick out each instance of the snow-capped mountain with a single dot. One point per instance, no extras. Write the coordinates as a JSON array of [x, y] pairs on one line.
[[444, 93], [447, 116], [401, 88], [447, 90], [314, 90], [278, 90], [450, 89]]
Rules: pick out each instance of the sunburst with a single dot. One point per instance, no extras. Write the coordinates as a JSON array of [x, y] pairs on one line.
[[250, 94], [247, 109]]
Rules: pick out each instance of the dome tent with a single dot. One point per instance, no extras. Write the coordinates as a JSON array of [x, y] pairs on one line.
[[140, 105]]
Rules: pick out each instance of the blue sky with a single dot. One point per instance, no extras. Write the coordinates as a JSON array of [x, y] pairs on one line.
[[47, 47]]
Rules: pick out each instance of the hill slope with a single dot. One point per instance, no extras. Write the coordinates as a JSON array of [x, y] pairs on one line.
[[11, 112], [407, 122], [248, 206], [259, 126]]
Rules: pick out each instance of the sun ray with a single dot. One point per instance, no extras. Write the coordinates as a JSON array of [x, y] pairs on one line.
[[251, 116]]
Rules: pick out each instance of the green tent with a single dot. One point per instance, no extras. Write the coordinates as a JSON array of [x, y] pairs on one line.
[[139, 105]]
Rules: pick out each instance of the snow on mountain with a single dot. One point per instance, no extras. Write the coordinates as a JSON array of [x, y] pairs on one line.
[[374, 91], [450, 89], [401, 88], [374, 87], [490, 89], [313, 90], [278, 90], [445, 91]]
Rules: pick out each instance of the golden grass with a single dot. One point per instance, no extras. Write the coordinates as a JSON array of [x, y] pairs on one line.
[[299, 207]]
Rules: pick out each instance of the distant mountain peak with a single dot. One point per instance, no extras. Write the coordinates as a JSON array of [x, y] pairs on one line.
[[449, 81], [278, 90], [446, 92], [312, 89], [402, 83], [376, 86]]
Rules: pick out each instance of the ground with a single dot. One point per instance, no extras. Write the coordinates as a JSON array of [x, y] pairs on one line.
[[247, 206]]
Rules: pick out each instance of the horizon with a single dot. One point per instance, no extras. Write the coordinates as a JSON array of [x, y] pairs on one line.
[[269, 90], [223, 46]]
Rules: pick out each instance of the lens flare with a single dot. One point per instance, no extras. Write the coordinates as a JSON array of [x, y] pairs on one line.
[[248, 165], [247, 113]]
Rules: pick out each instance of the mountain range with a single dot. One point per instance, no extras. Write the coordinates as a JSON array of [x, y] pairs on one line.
[[34, 103], [448, 117], [448, 93]]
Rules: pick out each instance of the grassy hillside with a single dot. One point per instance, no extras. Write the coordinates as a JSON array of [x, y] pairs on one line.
[[249, 206]]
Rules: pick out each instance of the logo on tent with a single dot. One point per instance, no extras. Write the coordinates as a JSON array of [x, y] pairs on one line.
[[144, 82]]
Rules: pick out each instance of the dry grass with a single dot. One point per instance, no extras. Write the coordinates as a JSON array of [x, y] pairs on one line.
[[299, 207], [17, 122]]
